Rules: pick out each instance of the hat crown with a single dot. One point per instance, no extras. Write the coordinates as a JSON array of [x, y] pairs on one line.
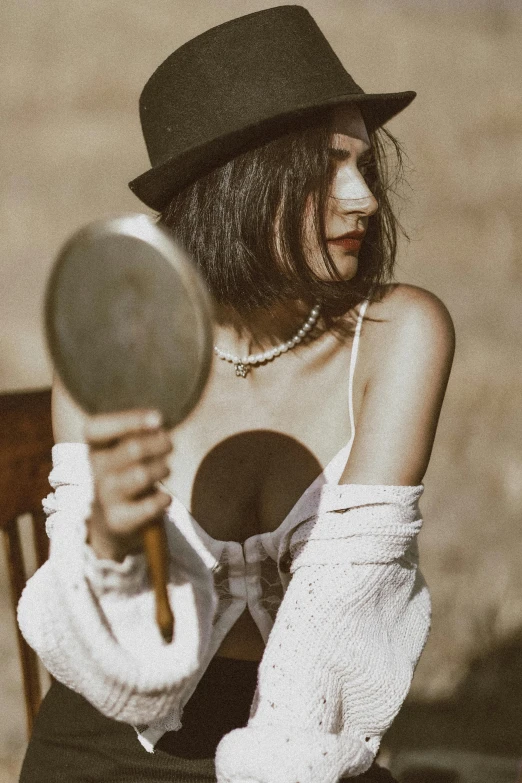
[[238, 86], [271, 62]]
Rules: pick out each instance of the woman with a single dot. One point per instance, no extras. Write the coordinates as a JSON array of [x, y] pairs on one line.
[[269, 165]]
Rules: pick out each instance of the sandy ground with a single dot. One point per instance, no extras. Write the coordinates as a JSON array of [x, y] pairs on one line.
[[70, 75]]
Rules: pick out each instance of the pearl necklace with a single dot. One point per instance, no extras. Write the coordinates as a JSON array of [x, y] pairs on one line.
[[243, 364]]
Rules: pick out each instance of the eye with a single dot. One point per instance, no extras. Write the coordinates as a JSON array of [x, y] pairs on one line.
[[367, 165]]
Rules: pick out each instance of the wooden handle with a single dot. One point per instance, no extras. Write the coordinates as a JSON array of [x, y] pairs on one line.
[[156, 548]]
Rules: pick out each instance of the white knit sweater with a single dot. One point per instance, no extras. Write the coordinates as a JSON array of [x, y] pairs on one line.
[[339, 658], [348, 635]]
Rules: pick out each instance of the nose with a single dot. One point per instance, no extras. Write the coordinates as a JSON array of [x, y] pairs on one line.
[[351, 194]]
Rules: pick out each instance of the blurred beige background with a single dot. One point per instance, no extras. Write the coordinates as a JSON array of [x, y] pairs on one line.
[[70, 76]]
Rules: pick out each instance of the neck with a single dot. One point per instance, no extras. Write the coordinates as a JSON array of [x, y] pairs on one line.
[[259, 330]]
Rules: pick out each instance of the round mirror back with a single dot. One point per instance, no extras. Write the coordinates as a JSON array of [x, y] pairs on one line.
[[128, 320]]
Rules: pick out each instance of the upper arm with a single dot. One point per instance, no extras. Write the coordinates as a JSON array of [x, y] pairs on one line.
[[403, 399], [68, 418]]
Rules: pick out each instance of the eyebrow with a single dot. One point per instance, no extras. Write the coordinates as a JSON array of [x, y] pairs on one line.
[[339, 153]]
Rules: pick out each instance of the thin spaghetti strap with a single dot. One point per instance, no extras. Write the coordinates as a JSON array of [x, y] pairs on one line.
[[353, 360]]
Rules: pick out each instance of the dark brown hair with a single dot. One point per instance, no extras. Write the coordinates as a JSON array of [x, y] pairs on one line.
[[226, 220]]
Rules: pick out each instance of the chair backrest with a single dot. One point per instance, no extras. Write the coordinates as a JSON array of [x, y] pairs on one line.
[[26, 439]]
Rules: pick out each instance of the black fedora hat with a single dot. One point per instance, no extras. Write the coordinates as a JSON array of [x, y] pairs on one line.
[[238, 86]]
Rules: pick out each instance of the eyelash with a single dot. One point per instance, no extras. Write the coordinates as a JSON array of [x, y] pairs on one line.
[[367, 169], [364, 163]]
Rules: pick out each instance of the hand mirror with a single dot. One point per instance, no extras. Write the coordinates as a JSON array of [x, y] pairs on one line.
[[128, 324], [128, 320]]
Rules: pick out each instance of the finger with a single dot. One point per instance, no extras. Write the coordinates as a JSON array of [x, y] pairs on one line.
[[127, 518], [104, 428], [137, 479], [137, 449]]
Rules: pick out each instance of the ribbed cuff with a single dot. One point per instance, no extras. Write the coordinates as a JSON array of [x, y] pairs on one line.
[[110, 576]]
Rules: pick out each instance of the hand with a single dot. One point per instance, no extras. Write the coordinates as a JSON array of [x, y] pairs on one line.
[[128, 454]]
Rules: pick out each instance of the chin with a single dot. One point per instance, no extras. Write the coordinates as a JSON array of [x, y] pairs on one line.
[[347, 268], [345, 262]]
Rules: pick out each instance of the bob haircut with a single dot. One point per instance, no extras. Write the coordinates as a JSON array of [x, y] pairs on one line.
[[227, 221]]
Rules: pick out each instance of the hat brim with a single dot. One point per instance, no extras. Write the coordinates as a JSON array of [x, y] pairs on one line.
[[159, 184]]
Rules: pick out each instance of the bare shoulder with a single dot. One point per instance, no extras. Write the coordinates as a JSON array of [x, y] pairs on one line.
[[403, 303], [411, 318], [410, 342], [67, 417]]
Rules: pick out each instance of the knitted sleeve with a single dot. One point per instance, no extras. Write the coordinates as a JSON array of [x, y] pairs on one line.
[[340, 658], [92, 621]]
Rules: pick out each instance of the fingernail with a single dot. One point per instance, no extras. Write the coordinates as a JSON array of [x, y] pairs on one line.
[[153, 419]]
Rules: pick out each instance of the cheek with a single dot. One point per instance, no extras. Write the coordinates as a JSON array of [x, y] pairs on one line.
[[345, 263]]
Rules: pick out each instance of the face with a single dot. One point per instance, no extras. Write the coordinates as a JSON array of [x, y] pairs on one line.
[[351, 203]]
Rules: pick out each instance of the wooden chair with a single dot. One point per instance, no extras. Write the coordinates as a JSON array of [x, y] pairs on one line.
[[26, 439]]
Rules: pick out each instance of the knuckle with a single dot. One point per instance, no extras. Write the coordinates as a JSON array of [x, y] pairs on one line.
[[134, 450], [98, 427], [166, 441], [156, 444], [140, 476], [91, 427], [117, 520], [126, 518], [159, 470], [107, 484], [164, 471], [165, 498], [152, 505], [95, 458], [139, 513], [149, 508], [99, 465]]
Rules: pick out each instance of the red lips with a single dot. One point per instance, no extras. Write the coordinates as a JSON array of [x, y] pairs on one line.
[[350, 241], [357, 234]]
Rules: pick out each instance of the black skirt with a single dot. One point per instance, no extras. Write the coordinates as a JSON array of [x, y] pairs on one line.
[[74, 743]]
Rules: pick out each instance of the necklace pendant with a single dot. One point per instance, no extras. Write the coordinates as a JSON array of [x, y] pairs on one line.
[[243, 368]]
